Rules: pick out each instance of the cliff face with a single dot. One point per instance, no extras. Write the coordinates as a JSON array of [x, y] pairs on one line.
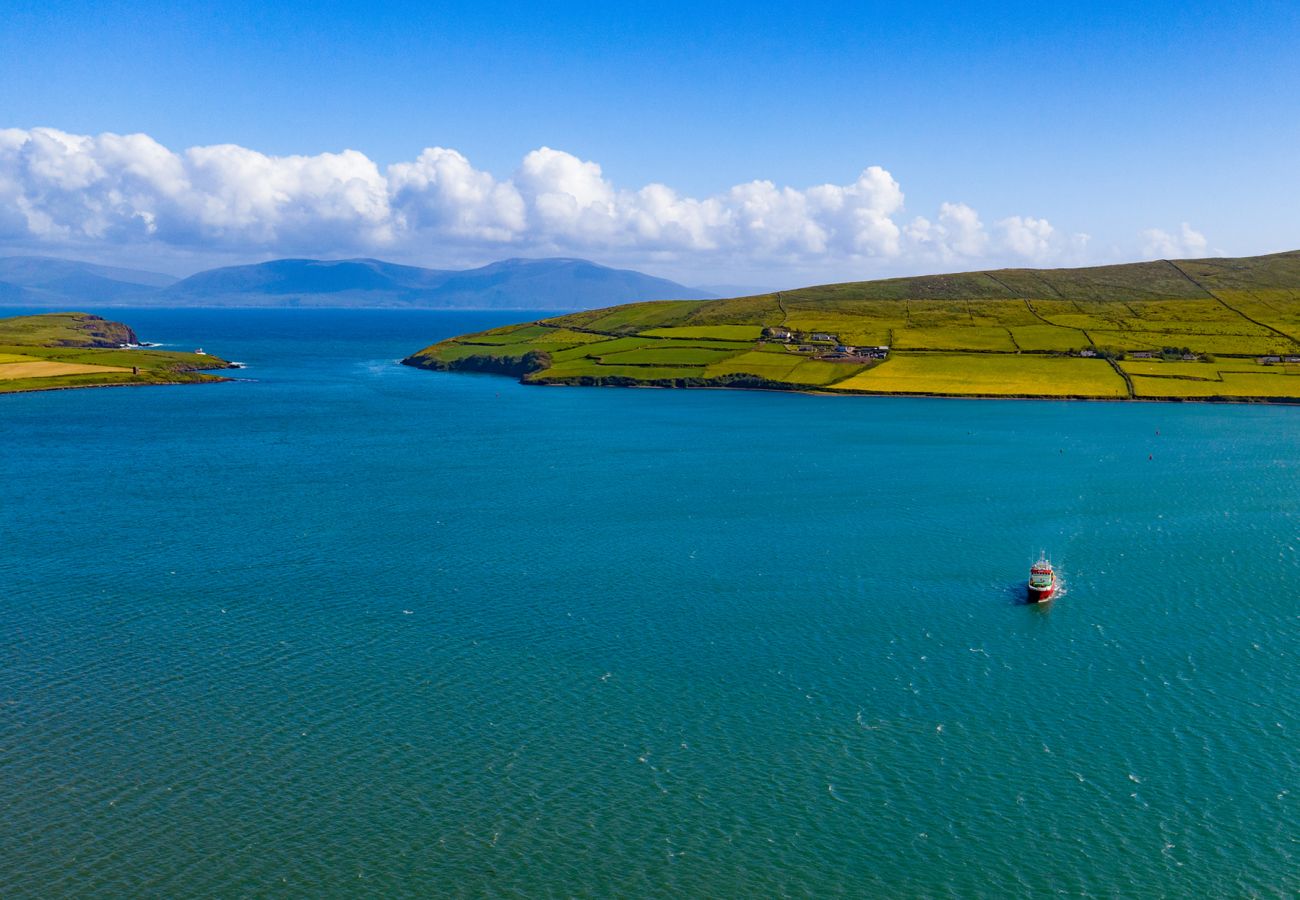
[[518, 366], [99, 332]]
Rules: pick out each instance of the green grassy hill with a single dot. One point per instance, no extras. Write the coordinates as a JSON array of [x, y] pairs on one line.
[[1100, 332], [67, 350]]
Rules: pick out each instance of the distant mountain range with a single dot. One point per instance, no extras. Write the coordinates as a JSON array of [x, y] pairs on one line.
[[44, 281], [511, 284]]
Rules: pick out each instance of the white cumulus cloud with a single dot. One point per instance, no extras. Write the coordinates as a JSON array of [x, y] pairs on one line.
[[120, 188], [1186, 243], [1025, 236], [957, 234], [441, 192], [66, 190]]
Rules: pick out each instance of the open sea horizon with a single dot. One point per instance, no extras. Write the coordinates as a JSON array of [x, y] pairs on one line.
[[342, 627]]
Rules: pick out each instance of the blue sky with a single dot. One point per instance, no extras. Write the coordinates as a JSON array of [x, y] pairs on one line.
[[1116, 121]]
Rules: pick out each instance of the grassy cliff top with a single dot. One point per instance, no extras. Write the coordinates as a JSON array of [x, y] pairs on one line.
[[65, 350], [65, 329], [1006, 332]]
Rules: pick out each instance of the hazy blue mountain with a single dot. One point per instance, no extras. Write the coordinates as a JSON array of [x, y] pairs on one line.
[[285, 278], [15, 295], [46, 281], [556, 283], [510, 284]]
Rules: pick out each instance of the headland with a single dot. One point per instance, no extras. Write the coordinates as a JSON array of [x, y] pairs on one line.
[[1205, 329], [55, 351]]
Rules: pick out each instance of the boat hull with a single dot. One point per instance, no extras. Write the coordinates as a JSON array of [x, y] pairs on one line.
[[1041, 595]]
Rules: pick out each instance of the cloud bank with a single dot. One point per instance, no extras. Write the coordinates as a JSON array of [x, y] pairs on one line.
[[60, 190]]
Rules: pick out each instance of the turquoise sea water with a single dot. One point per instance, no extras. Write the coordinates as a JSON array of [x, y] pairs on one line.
[[347, 628]]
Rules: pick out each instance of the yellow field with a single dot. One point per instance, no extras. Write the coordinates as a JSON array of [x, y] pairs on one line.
[[970, 337], [48, 369], [1176, 368], [1234, 384], [1048, 337], [1265, 342], [1221, 378], [990, 374]]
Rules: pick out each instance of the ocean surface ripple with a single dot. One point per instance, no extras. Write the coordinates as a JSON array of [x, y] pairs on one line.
[[347, 628]]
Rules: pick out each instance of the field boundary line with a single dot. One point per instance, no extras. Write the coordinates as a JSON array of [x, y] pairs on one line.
[[1180, 270], [1029, 306], [1051, 287], [1128, 382], [1002, 284]]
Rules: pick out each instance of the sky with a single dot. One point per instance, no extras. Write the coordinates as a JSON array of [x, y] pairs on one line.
[[711, 143]]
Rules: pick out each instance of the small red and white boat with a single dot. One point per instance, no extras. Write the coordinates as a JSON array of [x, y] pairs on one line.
[[1042, 580]]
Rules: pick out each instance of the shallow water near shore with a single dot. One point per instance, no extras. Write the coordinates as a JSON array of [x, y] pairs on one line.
[[344, 627]]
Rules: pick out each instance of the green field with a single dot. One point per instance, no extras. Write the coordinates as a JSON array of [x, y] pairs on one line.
[[63, 350], [710, 332], [759, 363], [675, 355], [1011, 332]]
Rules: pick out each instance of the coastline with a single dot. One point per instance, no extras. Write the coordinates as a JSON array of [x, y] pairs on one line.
[[915, 395], [209, 379], [777, 388], [76, 350], [1211, 330]]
